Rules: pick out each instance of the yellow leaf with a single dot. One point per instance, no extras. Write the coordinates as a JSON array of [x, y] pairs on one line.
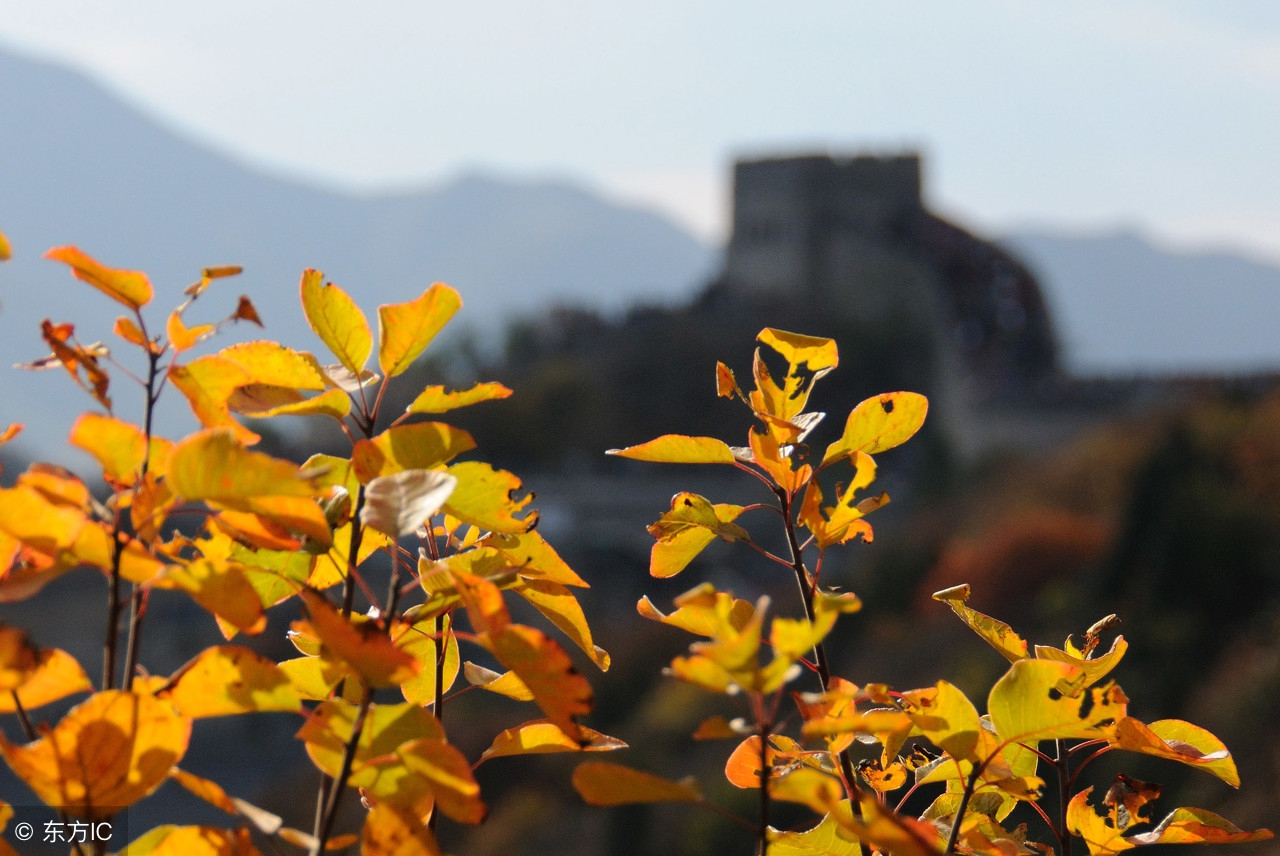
[[19, 658], [541, 736], [1104, 835], [405, 329], [376, 766], [945, 715], [27, 515], [6, 252], [417, 641], [449, 777], [684, 531], [814, 352], [365, 646], [56, 676], [679, 449], [889, 831], [314, 678], [997, 634], [119, 446], [1094, 669], [1178, 741], [601, 783], [212, 465], [559, 605], [273, 364], [262, 402], [703, 611], [434, 399], [192, 841], [533, 557], [828, 838], [878, 424], [126, 329], [1044, 700], [229, 679], [836, 524], [506, 684], [336, 319], [484, 497], [106, 753], [221, 588], [208, 384], [390, 830], [807, 786], [132, 288], [421, 446], [183, 338]]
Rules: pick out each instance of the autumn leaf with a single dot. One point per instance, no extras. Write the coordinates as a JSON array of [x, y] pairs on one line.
[[336, 319], [686, 530], [132, 288], [208, 383], [364, 646], [212, 465], [106, 753], [222, 588], [405, 329], [391, 830], [486, 497], [540, 736], [1178, 741], [678, 449], [879, 423], [172, 840], [57, 675], [1103, 828], [449, 777], [547, 671], [119, 446], [559, 605], [399, 504], [601, 783], [434, 399], [228, 679], [376, 766], [417, 641], [421, 446], [996, 633], [6, 252], [945, 715], [1044, 700], [505, 684]]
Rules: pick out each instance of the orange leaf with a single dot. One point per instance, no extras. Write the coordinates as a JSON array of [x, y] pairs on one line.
[[391, 830], [245, 311], [221, 588], [601, 783], [56, 676], [679, 449], [208, 383], [336, 319], [743, 767], [449, 777], [540, 737], [365, 646], [132, 288], [1178, 741], [376, 766], [405, 329], [126, 329], [6, 252], [106, 753], [547, 671], [172, 840], [183, 338], [229, 679]]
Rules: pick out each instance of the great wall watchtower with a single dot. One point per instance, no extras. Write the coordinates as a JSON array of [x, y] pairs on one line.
[[851, 237]]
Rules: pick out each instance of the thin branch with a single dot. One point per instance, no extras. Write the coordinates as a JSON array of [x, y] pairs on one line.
[[340, 782], [969, 787]]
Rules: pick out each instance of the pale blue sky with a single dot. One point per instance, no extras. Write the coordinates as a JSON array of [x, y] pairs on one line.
[[1084, 115]]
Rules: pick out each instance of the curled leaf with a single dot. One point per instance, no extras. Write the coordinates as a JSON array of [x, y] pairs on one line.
[[400, 503]]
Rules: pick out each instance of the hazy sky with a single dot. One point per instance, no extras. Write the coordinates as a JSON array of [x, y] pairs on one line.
[[1089, 115]]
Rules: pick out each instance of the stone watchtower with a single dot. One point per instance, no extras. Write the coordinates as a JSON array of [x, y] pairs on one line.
[[851, 238]]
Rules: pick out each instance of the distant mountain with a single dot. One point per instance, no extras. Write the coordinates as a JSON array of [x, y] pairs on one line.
[[77, 166], [1122, 305]]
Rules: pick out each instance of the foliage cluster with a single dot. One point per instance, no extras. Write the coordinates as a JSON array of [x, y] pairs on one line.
[[383, 626]]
